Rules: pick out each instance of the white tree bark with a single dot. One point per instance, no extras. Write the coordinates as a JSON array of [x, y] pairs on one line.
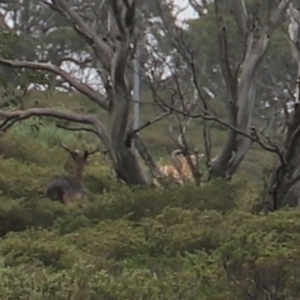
[[242, 86]]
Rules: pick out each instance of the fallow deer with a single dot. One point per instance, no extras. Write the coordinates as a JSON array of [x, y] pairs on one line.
[[180, 170], [67, 188]]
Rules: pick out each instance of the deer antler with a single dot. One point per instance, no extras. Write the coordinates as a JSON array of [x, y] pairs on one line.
[[92, 151], [67, 149]]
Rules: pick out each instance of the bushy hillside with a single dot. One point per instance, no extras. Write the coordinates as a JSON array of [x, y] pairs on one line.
[[179, 243]]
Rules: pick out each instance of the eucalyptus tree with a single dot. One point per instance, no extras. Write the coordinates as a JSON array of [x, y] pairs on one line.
[[233, 68], [107, 33]]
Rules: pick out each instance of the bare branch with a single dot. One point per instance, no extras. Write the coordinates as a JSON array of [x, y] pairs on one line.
[[75, 61], [142, 149], [11, 117], [77, 128], [277, 15], [101, 49], [117, 10], [47, 112], [222, 35], [81, 87], [199, 8], [240, 14], [153, 121], [253, 137]]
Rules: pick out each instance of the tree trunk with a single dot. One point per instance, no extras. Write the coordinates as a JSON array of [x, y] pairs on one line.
[[241, 85], [125, 161], [127, 167], [240, 108], [284, 186], [284, 182]]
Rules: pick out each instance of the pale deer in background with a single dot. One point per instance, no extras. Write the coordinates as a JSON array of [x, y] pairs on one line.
[[67, 188], [180, 170]]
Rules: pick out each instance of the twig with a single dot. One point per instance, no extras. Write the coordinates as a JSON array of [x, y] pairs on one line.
[[153, 121], [131, 133], [253, 138]]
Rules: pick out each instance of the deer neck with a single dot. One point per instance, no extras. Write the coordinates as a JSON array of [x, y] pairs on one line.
[[177, 163], [78, 172]]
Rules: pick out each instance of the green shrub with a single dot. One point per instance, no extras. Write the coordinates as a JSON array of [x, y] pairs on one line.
[[72, 222], [39, 247], [177, 231], [22, 214], [137, 243], [110, 239], [260, 255], [12, 217], [29, 151], [147, 202], [19, 180]]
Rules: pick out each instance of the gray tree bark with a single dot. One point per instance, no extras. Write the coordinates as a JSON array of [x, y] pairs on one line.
[[241, 85], [284, 186]]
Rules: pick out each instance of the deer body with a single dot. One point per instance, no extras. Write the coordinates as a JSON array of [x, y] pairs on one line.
[[170, 171], [67, 188], [180, 170]]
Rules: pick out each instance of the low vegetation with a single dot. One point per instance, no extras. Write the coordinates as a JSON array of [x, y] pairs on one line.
[[207, 242]]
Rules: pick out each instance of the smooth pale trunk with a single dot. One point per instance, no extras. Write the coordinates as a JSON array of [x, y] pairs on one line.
[[236, 146]]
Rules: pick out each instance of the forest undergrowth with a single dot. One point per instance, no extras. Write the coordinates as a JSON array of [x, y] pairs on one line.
[[188, 242]]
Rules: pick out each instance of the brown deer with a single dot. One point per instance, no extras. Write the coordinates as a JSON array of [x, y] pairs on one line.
[[180, 170], [67, 188]]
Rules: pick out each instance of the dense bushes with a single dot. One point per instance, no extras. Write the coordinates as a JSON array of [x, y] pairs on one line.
[[179, 254], [133, 243]]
